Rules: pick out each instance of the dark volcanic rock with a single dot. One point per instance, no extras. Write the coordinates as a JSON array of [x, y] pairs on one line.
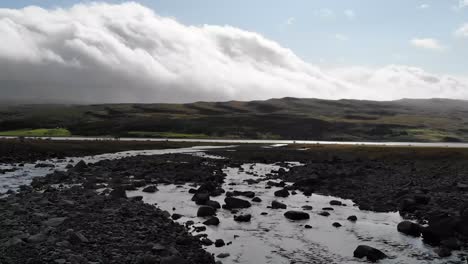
[[242, 218], [278, 205], [201, 198], [118, 192], [371, 253], [336, 224], [352, 218], [409, 228], [335, 202], [257, 200], [212, 221], [324, 213], [150, 189], [213, 204], [219, 243], [282, 193], [77, 225], [205, 211], [296, 215], [440, 228], [233, 203]]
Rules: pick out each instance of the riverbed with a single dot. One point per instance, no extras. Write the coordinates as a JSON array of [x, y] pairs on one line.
[[269, 238]]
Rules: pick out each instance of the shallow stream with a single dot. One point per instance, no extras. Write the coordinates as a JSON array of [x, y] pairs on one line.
[[267, 238]]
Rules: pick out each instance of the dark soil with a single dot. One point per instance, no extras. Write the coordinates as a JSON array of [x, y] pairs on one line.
[[31, 150]]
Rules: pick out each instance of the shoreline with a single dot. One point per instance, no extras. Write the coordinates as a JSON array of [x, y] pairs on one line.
[[251, 141]]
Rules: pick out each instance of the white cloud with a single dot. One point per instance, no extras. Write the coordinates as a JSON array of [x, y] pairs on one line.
[[462, 3], [424, 6], [462, 31], [290, 21], [341, 37], [350, 14], [127, 53], [427, 43], [399, 81], [325, 13]]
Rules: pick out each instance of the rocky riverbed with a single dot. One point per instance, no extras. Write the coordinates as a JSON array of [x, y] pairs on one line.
[[276, 209]]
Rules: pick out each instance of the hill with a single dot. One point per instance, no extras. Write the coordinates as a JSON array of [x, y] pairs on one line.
[[286, 118]]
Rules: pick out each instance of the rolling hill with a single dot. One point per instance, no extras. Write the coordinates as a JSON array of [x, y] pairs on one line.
[[286, 118]]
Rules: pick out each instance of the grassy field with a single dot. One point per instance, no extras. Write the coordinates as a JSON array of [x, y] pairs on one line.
[[41, 132]]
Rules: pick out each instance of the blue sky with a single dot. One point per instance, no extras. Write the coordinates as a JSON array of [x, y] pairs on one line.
[[332, 33]]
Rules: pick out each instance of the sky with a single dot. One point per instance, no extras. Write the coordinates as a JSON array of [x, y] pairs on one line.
[[181, 51]]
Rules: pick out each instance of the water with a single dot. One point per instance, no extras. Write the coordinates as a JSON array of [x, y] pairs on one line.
[[24, 173], [256, 141], [275, 239], [271, 238]]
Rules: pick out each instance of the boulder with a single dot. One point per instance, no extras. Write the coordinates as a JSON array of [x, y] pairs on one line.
[[213, 204], [336, 203], [282, 193], [176, 216], [80, 166], [336, 224], [296, 215], [219, 243], [212, 221], [242, 218], [352, 218], [205, 211], [201, 198], [233, 203], [371, 253], [150, 189], [278, 205], [409, 228], [257, 200], [324, 213], [440, 228]]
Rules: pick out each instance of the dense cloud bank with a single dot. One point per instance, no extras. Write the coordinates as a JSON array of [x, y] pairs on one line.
[[127, 53]]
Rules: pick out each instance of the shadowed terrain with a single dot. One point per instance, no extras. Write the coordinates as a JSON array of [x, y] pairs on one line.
[[423, 120]]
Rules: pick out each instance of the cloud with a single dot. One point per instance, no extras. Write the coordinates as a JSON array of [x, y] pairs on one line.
[[325, 13], [97, 53], [427, 43], [341, 37], [350, 14], [399, 81], [462, 3], [462, 31], [424, 6], [290, 21]]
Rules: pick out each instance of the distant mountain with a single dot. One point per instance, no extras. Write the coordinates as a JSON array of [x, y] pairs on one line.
[[285, 118]]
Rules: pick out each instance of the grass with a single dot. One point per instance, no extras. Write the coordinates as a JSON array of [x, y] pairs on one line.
[[41, 132], [166, 134], [429, 134]]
